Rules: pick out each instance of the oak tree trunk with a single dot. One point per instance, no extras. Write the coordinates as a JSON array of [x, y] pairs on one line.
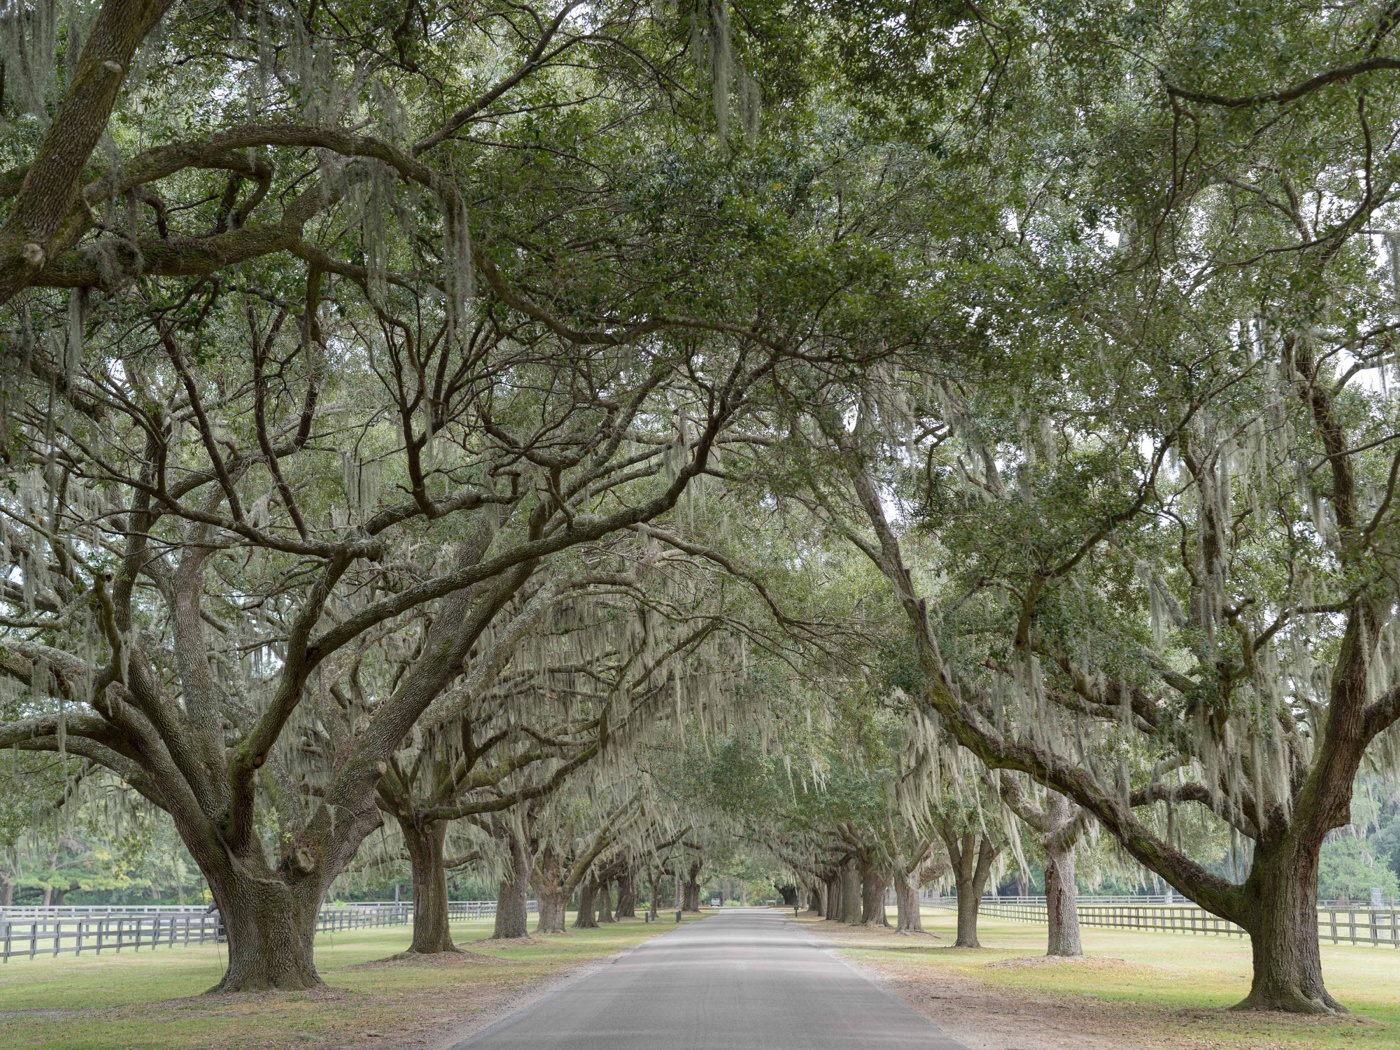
[[969, 901], [1061, 899], [626, 897], [605, 912], [873, 885], [432, 931], [552, 904], [270, 928], [1287, 961], [513, 894], [971, 855], [550, 891], [850, 894], [909, 919], [587, 903]]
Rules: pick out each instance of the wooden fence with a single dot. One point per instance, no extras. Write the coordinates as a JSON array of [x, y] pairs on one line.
[[1377, 927], [69, 930]]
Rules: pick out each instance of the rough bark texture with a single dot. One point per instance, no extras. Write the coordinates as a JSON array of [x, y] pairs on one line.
[[587, 903], [1061, 898], [1287, 960], [270, 929], [513, 894], [550, 891], [605, 910], [873, 885], [552, 905], [972, 855], [626, 896], [692, 889], [34, 231], [906, 895], [818, 898], [432, 932]]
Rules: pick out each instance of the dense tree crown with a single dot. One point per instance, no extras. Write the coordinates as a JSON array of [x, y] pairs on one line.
[[611, 449]]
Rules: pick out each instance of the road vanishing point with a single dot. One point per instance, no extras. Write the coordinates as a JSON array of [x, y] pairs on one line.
[[741, 979]]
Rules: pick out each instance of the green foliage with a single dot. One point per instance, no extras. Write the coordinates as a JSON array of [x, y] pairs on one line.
[[1350, 868]]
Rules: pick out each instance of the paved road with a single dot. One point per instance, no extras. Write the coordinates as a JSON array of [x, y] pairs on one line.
[[741, 980]]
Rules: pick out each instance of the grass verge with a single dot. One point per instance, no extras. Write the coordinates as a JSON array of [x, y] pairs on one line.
[[1133, 990], [151, 1000]]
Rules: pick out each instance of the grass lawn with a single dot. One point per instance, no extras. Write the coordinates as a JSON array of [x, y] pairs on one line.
[[1133, 989], [152, 999]]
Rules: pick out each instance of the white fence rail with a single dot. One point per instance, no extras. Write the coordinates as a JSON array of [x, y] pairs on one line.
[[1339, 924], [72, 930]]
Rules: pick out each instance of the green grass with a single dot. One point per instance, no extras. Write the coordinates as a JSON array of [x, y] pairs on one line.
[[151, 999], [1177, 985]]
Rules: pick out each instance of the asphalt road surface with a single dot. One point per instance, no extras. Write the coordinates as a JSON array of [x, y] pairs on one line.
[[743, 979]]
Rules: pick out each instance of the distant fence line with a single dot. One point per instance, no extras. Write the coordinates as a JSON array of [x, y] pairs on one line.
[[1341, 924], [72, 930]]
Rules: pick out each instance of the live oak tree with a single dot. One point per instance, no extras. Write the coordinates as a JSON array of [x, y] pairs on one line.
[[1143, 487], [1200, 635], [231, 485], [1060, 824], [202, 545]]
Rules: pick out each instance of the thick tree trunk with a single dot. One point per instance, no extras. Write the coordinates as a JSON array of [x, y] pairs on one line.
[[270, 929], [605, 910], [1061, 899], [587, 903], [552, 905], [971, 855], [818, 898], [969, 901], [850, 893], [626, 896], [550, 892], [432, 931], [691, 897], [873, 885], [906, 896], [1287, 961], [513, 895], [7, 893]]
